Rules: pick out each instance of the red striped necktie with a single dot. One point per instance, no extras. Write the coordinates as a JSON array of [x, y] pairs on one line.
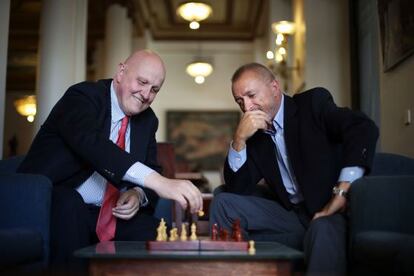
[[106, 225]]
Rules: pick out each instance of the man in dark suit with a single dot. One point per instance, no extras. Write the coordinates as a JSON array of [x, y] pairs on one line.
[[308, 151], [97, 145]]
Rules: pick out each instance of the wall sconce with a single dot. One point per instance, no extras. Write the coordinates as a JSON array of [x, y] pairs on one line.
[[26, 107], [278, 59], [199, 70], [194, 12]]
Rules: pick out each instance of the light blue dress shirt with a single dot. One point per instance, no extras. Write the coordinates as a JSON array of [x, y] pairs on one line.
[[93, 189], [237, 159]]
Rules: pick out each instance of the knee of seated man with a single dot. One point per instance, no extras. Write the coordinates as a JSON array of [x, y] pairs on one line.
[[325, 225], [223, 198]]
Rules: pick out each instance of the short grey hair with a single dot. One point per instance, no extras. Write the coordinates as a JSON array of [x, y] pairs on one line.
[[258, 68]]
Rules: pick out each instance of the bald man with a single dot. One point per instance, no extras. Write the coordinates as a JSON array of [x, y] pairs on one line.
[[77, 149]]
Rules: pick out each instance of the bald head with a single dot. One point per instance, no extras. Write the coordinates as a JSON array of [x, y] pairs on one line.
[[138, 80], [148, 57]]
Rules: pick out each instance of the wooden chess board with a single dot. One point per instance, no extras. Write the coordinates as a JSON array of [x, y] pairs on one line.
[[198, 245]]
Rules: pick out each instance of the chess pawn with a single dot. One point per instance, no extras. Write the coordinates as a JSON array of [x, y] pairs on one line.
[[214, 232], [193, 236], [173, 234], [224, 234], [252, 249], [183, 236], [159, 234]]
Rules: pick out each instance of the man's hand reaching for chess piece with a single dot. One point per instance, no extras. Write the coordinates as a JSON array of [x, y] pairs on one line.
[[182, 191]]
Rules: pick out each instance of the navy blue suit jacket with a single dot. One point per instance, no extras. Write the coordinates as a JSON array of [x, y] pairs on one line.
[[74, 140], [321, 139]]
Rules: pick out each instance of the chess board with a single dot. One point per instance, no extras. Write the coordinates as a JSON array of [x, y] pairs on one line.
[[220, 239], [198, 245]]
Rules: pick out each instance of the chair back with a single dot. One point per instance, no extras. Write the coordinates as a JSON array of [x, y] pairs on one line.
[[11, 164], [392, 164]]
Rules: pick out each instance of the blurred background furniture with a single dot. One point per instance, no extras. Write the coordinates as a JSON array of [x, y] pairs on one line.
[[170, 210], [381, 218], [24, 218]]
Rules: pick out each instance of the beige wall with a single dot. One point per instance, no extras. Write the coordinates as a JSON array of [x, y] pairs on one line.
[[180, 92], [397, 95], [327, 48]]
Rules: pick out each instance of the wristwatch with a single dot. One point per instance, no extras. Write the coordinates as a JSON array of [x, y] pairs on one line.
[[338, 191]]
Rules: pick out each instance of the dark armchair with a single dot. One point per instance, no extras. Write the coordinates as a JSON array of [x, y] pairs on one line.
[[381, 218], [25, 216]]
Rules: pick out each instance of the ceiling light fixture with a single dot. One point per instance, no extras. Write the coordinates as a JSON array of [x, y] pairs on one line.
[[199, 70], [26, 107], [194, 12]]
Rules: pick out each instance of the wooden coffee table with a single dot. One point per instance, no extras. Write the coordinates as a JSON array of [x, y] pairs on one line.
[[132, 258]]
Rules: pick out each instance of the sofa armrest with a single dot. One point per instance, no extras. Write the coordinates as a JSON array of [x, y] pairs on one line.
[[25, 201], [382, 203]]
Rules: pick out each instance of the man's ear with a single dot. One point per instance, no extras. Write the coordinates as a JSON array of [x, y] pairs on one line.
[[120, 71], [276, 86]]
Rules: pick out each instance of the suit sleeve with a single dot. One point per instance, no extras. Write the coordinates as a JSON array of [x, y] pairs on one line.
[[244, 180], [76, 116], [354, 130], [151, 161]]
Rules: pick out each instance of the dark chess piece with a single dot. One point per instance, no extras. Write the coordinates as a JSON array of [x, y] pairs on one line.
[[236, 234], [214, 232], [224, 234]]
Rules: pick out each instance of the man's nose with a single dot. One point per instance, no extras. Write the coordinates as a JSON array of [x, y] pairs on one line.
[[247, 106], [146, 92]]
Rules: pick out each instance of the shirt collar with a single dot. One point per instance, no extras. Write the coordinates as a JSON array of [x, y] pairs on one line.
[[278, 119], [116, 112]]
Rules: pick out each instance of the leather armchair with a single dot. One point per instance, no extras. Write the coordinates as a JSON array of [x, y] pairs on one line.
[[381, 218]]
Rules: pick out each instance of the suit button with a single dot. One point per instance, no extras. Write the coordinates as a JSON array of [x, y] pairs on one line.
[[364, 153]]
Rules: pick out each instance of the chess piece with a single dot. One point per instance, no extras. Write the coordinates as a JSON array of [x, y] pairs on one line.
[[183, 236], [163, 230], [224, 234], [159, 235], [193, 236], [252, 249], [214, 232], [236, 235], [173, 234]]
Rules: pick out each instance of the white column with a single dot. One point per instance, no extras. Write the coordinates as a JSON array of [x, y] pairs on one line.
[[4, 36], [62, 51], [118, 38]]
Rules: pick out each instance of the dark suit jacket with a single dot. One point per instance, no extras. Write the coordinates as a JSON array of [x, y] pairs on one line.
[[74, 140], [321, 139]]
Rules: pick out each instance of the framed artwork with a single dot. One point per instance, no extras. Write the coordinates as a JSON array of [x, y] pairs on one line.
[[201, 138], [396, 18]]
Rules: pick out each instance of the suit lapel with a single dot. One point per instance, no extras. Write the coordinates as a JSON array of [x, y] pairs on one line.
[[265, 156], [137, 143], [107, 120], [291, 125]]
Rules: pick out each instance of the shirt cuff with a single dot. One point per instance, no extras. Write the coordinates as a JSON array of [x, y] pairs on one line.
[[143, 200], [137, 173], [236, 158], [350, 174]]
